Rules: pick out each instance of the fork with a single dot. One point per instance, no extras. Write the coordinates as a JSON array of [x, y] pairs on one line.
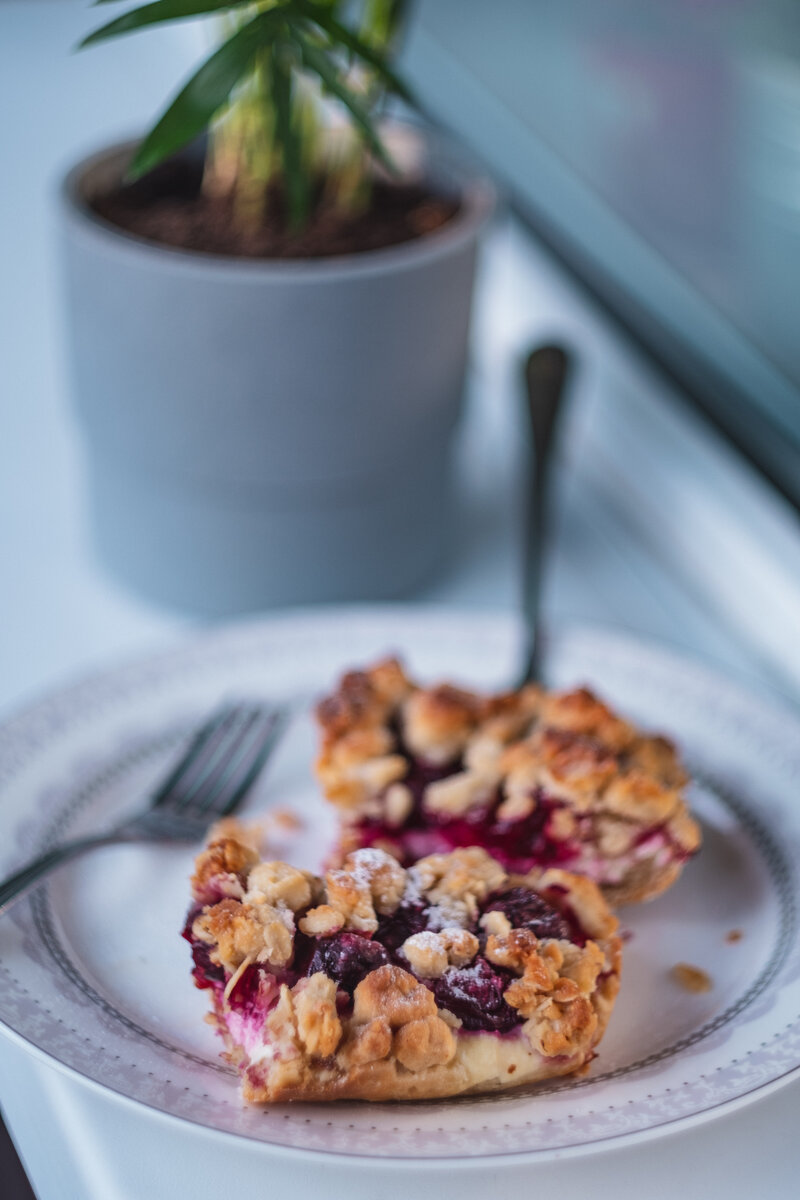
[[209, 782]]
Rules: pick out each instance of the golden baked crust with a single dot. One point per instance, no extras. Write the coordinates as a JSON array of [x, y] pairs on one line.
[[616, 795], [299, 1036]]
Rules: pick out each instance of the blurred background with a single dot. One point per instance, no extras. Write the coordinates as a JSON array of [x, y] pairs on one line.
[[655, 145], [648, 154]]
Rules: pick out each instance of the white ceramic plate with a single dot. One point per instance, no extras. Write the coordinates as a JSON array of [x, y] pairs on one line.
[[94, 974]]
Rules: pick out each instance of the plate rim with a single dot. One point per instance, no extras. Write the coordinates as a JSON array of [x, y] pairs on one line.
[[603, 1145]]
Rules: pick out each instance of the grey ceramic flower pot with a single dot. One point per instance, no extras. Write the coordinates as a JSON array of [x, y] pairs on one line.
[[262, 433]]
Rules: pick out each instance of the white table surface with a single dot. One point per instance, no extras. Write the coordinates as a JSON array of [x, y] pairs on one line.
[[644, 490]]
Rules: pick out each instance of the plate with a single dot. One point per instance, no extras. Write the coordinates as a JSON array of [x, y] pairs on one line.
[[94, 975]]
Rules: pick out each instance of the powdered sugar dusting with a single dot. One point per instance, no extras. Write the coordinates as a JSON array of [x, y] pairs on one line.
[[458, 976], [447, 914], [425, 940], [413, 888], [366, 862]]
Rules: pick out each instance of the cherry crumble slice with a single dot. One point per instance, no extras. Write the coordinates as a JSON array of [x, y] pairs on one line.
[[374, 981], [535, 778]]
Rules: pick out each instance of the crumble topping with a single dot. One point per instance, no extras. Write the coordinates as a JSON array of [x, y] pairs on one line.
[[369, 1042], [398, 803], [495, 922], [422, 1044], [322, 921], [222, 869], [381, 873], [318, 1026], [437, 724], [276, 883], [394, 995], [238, 931], [461, 878], [517, 806], [431, 953], [457, 793], [370, 883]]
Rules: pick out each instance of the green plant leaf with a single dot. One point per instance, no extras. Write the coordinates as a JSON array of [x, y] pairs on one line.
[[338, 32], [206, 92], [154, 14], [315, 59], [294, 175]]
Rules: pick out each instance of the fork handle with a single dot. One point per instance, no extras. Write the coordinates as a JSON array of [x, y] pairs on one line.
[[17, 885], [546, 372]]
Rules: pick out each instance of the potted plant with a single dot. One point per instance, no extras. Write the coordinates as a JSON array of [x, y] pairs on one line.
[[268, 304]]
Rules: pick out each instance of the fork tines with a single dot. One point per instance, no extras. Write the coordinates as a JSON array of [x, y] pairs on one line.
[[222, 761]]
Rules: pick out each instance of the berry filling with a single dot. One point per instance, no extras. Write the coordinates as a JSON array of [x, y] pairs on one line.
[[475, 995], [347, 958], [256, 991], [205, 973], [528, 910], [406, 920], [521, 843], [518, 844]]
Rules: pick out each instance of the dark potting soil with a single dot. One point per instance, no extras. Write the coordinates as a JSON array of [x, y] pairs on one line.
[[167, 206]]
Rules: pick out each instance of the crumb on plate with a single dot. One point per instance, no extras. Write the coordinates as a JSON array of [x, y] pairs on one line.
[[691, 979], [285, 820]]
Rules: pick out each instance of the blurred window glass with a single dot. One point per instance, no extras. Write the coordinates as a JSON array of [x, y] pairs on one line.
[[660, 139]]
